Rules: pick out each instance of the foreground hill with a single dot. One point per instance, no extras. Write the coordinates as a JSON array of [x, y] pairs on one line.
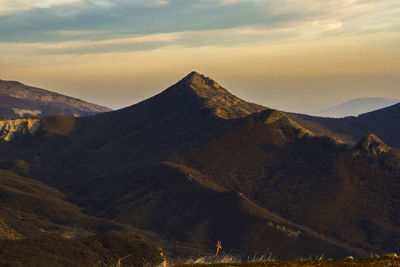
[[195, 164], [18, 100], [38, 227]]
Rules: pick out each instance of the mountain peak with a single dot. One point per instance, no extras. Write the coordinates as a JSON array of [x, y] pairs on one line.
[[210, 95], [372, 145], [193, 74], [198, 80], [270, 116]]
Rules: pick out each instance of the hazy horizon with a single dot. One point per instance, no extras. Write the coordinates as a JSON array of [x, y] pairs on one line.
[[273, 98], [296, 56]]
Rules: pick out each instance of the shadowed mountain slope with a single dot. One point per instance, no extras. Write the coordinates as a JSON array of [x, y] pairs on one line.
[[38, 227], [384, 123], [332, 188], [195, 164], [18, 100]]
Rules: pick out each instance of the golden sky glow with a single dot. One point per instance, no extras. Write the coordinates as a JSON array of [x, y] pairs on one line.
[[293, 55]]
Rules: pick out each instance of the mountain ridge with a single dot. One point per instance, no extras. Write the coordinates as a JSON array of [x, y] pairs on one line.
[[19, 100], [382, 122], [355, 107], [176, 166], [222, 103]]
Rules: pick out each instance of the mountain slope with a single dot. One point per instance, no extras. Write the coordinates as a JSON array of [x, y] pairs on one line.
[[38, 227], [195, 164], [332, 189], [18, 100], [383, 122], [310, 180], [355, 107]]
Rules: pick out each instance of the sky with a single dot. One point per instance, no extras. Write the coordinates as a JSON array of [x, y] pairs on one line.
[[300, 56]]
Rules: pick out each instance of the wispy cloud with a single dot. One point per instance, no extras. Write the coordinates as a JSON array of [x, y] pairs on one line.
[[88, 46], [85, 27], [44, 20], [11, 6]]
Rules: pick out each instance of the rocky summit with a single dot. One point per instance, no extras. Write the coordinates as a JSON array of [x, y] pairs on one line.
[[372, 145]]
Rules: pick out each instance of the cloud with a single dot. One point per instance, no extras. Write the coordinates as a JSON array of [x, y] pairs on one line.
[[108, 45], [93, 26], [10, 6]]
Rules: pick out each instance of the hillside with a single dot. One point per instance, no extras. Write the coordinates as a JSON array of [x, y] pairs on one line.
[[383, 122], [18, 100], [195, 164], [38, 227]]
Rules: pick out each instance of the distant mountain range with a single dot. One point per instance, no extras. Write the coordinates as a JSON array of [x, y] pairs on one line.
[[18, 100], [355, 107], [383, 122], [193, 165]]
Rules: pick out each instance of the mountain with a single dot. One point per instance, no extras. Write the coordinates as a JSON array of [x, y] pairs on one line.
[[355, 107], [18, 100], [383, 123], [195, 164]]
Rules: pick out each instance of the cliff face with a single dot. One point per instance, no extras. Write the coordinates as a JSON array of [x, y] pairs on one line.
[[11, 128]]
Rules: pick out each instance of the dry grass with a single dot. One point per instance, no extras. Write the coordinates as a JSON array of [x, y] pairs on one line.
[[300, 263], [116, 263], [268, 260]]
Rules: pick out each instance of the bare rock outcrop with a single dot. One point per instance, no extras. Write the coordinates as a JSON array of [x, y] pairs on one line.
[[11, 128]]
